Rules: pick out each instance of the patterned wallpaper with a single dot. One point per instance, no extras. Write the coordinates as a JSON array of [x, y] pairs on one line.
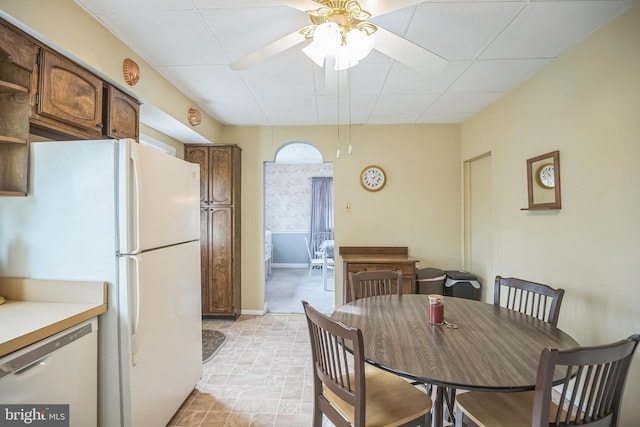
[[287, 195]]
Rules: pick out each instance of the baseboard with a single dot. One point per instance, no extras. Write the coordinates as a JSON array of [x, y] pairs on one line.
[[254, 312], [289, 265]]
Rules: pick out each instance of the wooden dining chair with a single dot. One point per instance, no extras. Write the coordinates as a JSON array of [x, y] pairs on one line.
[[354, 394], [591, 394], [365, 284], [535, 299]]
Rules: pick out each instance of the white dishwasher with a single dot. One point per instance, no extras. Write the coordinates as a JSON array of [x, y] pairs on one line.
[[61, 369]]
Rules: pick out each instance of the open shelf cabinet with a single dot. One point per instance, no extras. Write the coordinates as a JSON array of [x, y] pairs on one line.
[[17, 59]]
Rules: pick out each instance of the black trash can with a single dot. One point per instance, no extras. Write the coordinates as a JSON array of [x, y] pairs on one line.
[[430, 281], [461, 284]]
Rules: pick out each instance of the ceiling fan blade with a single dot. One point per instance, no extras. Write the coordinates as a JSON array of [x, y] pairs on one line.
[[377, 8], [302, 5], [410, 54], [271, 49]]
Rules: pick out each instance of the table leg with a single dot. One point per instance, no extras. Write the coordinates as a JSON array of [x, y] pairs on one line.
[[436, 411], [449, 401]]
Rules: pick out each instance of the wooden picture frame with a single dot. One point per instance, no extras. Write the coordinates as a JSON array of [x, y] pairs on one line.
[[543, 182]]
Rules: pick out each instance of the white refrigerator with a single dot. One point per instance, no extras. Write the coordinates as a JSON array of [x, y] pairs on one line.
[[119, 212]]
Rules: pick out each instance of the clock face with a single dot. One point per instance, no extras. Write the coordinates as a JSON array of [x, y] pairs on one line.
[[372, 178], [546, 176]]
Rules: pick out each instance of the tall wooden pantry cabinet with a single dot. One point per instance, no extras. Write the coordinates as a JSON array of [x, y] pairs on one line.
[[219, 226]]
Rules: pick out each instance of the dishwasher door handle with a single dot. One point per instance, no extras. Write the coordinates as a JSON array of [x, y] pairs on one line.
[[38, 363], [31, 359]]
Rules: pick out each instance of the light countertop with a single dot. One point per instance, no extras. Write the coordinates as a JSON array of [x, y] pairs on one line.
[[37, 309]]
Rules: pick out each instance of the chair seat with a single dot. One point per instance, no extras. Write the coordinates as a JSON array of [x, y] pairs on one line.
[[499, 409], [390, 400]]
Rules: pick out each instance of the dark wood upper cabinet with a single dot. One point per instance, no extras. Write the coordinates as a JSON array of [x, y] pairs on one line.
[[122, 115], [69, 98], [217, 178], [44, 93]]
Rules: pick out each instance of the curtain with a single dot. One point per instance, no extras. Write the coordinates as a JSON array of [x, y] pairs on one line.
[[321, 208]]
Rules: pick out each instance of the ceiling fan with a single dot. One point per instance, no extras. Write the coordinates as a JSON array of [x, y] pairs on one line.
[[346, 15]]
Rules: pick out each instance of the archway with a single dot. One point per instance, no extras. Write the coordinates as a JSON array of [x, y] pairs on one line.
[[287, 222]]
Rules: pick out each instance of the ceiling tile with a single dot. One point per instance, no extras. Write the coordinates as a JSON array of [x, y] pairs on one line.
[[121, 6], [545, 29], [403, 79], [203, 81], [269, 79], [188, 43], [499, 75], [404, 104], [461, 30], [456, 103], [243, 30]]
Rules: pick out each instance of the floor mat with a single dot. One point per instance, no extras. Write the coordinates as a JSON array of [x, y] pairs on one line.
[[212, 341]]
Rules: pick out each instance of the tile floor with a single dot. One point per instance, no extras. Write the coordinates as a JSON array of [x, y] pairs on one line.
[[260, 377], [286, 287]]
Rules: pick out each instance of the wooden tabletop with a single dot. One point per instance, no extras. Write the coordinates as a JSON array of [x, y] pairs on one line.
[[493, 349]]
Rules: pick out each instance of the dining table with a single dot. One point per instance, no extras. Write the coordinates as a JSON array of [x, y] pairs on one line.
[[480, 346]]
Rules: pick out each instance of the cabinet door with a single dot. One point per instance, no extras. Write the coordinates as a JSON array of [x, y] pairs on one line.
[[200, 155], [204, 259], [17, 49], [221, 175], [70, 94], [220, 267], [122, 115]]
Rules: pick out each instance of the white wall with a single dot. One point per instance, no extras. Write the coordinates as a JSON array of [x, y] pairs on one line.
[[586, 104]]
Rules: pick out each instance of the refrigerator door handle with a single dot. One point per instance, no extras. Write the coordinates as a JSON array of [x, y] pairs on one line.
[[135, 215], [135, 325]]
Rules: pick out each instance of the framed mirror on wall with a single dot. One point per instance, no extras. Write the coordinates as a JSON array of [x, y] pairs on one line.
[[543, 180]]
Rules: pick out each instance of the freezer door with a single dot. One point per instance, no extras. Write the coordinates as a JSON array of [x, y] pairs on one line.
[[158, 199], [161, 329]]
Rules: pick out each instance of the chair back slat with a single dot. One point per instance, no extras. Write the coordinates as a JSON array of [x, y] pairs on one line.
[[591, 393], [534, 299], [364, 284]]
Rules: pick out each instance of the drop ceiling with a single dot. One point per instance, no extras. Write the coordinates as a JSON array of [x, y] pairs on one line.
[[491, 47]]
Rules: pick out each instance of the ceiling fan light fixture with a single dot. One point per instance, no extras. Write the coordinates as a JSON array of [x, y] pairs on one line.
[[341, 31], [344, 59], [359, 44], [326, 39]]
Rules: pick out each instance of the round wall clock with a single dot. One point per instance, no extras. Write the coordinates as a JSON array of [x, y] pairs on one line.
[[373, 178], [546, 175]]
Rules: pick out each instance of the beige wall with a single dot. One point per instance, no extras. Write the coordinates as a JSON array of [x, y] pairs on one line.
[[587, 105], [65, 26], [419, 206]]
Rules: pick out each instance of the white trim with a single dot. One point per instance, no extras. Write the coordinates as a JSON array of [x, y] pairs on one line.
[[148, 141], [253, 312], [290, 265]]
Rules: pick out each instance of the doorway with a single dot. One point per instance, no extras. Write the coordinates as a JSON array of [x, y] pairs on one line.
[[478, 222], [289, 274]]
